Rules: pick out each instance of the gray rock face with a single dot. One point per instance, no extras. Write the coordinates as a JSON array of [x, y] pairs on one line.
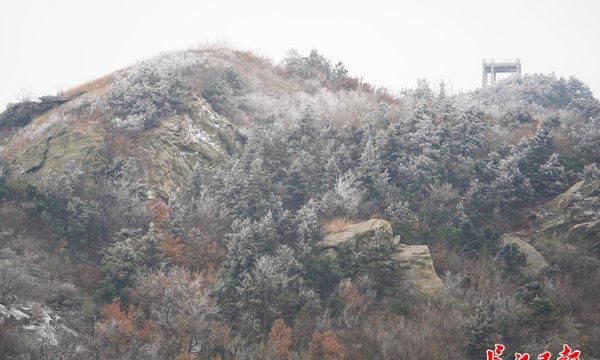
[[358, 235], [413, 262], [199, 136], [417, 265], [19, 115], [34, 320], [569, 225]]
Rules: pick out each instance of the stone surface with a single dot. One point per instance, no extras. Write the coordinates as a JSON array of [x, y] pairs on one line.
[[355, 236], [413, 263], [58, 147], [571, 220], [168, 152], [535, 262], [34, 320], [21, 114]]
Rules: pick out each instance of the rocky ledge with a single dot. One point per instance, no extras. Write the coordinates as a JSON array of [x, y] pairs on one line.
[[413, 263]]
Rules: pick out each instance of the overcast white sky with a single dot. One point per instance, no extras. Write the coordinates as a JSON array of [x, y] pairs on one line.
[[48, 45]]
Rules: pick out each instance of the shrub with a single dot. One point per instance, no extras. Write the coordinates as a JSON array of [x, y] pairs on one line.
[[3, 183], [513, 258], [280, 339], [130, 256], [14, 280], [326, 346], [144, 94], [226, 92]]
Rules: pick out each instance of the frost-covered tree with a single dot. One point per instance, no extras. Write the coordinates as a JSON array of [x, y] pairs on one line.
[[371, 173], [591, 173], [533, 153], [247, 242], [588, 139], [226, 92], [130, 256], [143, 94], [510, 187], [439, 208], [309, 227], [245, 188], [554, 179], [271, 289], [182, 305], [345, 199], [467, 136]]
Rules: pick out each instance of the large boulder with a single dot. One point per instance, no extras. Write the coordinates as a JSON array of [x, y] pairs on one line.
[[535, 262], [413, 263], [573, 215], [416, 265], [356, 236], [568, 226]]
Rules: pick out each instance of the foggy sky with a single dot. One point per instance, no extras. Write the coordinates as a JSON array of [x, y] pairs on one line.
[[49, 45]]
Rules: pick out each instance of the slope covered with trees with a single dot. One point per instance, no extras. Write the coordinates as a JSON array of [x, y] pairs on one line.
[[191, 228]]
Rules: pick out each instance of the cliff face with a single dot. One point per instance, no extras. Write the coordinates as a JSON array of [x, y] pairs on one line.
[[567, 228], [574, 217], [166, 153]]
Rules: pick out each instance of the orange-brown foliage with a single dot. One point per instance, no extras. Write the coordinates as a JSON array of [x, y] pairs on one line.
[[185, 356], [214, 255], [158, 210], [173, 248], [326, 346], [148, 329], [112, 313], [123, 322], [280, 338]]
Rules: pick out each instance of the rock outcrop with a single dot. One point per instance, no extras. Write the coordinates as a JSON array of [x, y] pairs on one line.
[[413, 263], [169, 152], [356, 236], [535, 263], [21, 114], [573, 217], [565, 229], [32, 319]]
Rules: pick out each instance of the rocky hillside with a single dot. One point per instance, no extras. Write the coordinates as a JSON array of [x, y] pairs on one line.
[[211, 204], [102, 123]]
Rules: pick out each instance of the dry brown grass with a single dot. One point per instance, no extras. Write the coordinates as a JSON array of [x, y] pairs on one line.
[[11, 217], [43, 117], [120, 145], [337, 225], [95, 86], [526, 131], [563, 145], [17, 144]]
